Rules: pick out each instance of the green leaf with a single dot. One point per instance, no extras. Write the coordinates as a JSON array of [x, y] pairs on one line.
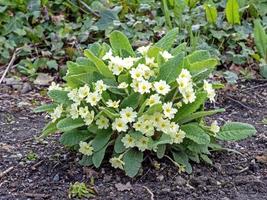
[[200, 61], [107, 18], [99, 156], [60, 96], [198, 115], [68, 124], [260, 39], [45, 108], [182, 159], [120, 42], [34, 5], [263, 69], [198, 148], [3, 8], [52, 64], [50, 128], [206, 159], [164, 139], [124, 78], [197, 56], [80, 67], [232, 12], [161, 150], [100, 65], [131, 101], [101, 139], [110, 113], [171, 69], [78, 80], [153, 109], [168, 40], [211, 12], [86, 161], [119, 146], [133, 160], [73, 137], [153, 51], [189, 108], [195, 133], [233, 131], [191, 3], [167, 14], [179, 49]]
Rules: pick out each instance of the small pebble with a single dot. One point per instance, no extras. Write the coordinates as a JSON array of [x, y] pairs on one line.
[[160, 177], [56, 177]]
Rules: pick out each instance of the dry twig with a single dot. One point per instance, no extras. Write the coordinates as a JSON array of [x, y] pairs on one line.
[[257, 86], [240, 103], [33, 195], [6, 171], [12, 60], [149, 191]]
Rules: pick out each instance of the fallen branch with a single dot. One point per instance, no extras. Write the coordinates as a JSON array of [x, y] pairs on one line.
[[37, 165], [149, 191], [257, 86], [12, 60], [2, 174], [240, 103], [33, 195]]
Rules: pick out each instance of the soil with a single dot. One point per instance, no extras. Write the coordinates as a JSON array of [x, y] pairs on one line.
[[44, 169]]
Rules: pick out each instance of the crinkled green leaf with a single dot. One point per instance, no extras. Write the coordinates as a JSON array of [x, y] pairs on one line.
[[195, 133], [119, 146], [161, 150], [50, 128], [180, 48], [73, 137], [59, 96], [234, 131], [189, 108], [101, 139], [170, 70], [120, 42], [98, 156], [198, 115], [181, 158], [100, 65], [82, 79], [67, 124], [168, 40], [131, 101], [153, 109], [205, 158], [86, 161], [133, 160], [45, 108]]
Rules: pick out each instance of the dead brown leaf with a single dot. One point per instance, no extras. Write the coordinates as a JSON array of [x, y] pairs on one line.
[[123, 187], [262, 158]]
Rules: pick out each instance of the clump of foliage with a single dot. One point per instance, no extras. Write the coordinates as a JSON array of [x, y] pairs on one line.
[[121, 104]]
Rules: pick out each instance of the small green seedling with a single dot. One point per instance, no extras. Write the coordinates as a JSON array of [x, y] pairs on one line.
[[80, 190]]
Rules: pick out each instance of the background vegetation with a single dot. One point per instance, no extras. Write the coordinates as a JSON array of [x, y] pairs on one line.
[[48, 33]]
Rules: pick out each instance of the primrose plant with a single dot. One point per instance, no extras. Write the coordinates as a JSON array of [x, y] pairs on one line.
[[119, 104]]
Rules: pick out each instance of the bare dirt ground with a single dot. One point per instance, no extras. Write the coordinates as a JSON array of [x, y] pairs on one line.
[[43, 169]]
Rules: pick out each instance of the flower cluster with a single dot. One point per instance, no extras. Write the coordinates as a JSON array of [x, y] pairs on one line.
[[151, 100]]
